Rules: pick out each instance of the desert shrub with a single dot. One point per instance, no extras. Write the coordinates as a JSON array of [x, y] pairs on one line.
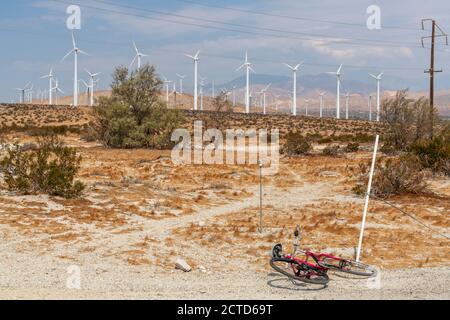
[[89, 134], [221, 103], [434, 154], [352, 147], [408, 121], [134, 116], [393, 176], [325, 140], [50, 168], [296, 144], [332, 150]]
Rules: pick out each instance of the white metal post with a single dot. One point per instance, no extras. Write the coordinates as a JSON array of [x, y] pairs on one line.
[[366, 206]]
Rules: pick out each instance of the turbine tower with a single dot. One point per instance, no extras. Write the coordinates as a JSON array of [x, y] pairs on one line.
[[57, 89], [322, 94], [202, 86], [347, 100], [167, 82], [338, 75], [50, 80], [370, 107], [75, 51], [263, 92], [182, 77], [137, 57], [22, 92], [234, 96], [195, 58], [378, 79], [91, 85], [248, 66], [306, 106], [294, 93]]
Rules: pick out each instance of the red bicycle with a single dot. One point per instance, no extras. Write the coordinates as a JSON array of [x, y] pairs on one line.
[[304, 270]]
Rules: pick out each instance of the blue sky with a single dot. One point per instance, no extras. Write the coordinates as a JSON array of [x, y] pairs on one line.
[[35, 38]]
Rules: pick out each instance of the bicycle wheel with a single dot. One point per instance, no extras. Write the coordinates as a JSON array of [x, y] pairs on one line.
[[349, 266], [299, 271]]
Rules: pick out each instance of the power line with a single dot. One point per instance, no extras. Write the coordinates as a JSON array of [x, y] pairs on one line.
[[350, 24], [337, 41], [217, 56], [411, 216], [252, 27]]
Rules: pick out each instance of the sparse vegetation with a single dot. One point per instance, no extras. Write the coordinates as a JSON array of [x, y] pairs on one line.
[[49, 168], [434, 153], [332, 150], [296, 144], [393, 176], [221, 103], [352, 147], [134, 116]]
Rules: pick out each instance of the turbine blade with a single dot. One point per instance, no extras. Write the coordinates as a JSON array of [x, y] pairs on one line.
[[65, 57], [289, 66], [82, 52], [240, 68], [340, 68], [135, 47], [189, 56], [73, 41], [251, 69], [373, 76], [132, 62], [197, 54]]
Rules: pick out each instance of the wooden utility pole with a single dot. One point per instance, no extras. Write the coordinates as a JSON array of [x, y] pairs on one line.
[[432, 69]]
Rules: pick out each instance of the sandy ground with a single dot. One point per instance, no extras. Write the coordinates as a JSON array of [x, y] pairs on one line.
[[109, 282], [140, 213]]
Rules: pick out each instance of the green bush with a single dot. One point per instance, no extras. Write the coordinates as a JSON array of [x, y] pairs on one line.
[[50, 168], [134, 116], [434, 154], [352, 147], [393, 176], [296, 144]]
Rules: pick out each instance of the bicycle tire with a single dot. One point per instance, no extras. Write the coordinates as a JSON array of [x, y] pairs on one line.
[[369, 272], [320, 279]]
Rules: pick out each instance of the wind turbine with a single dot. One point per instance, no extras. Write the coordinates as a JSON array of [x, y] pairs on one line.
[[263, 92], [234, 96], [182, 77], [338, 75], [306, 106], [378, 79], [92, 84], [167, 82], [57, 89], [29, 93], [294, 94], [22, 92], [137, 57], [75, 51], [195, 58], [202, 85], [322, 94], [88, 92], [50, 80], [248, 66], [347, 100]]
